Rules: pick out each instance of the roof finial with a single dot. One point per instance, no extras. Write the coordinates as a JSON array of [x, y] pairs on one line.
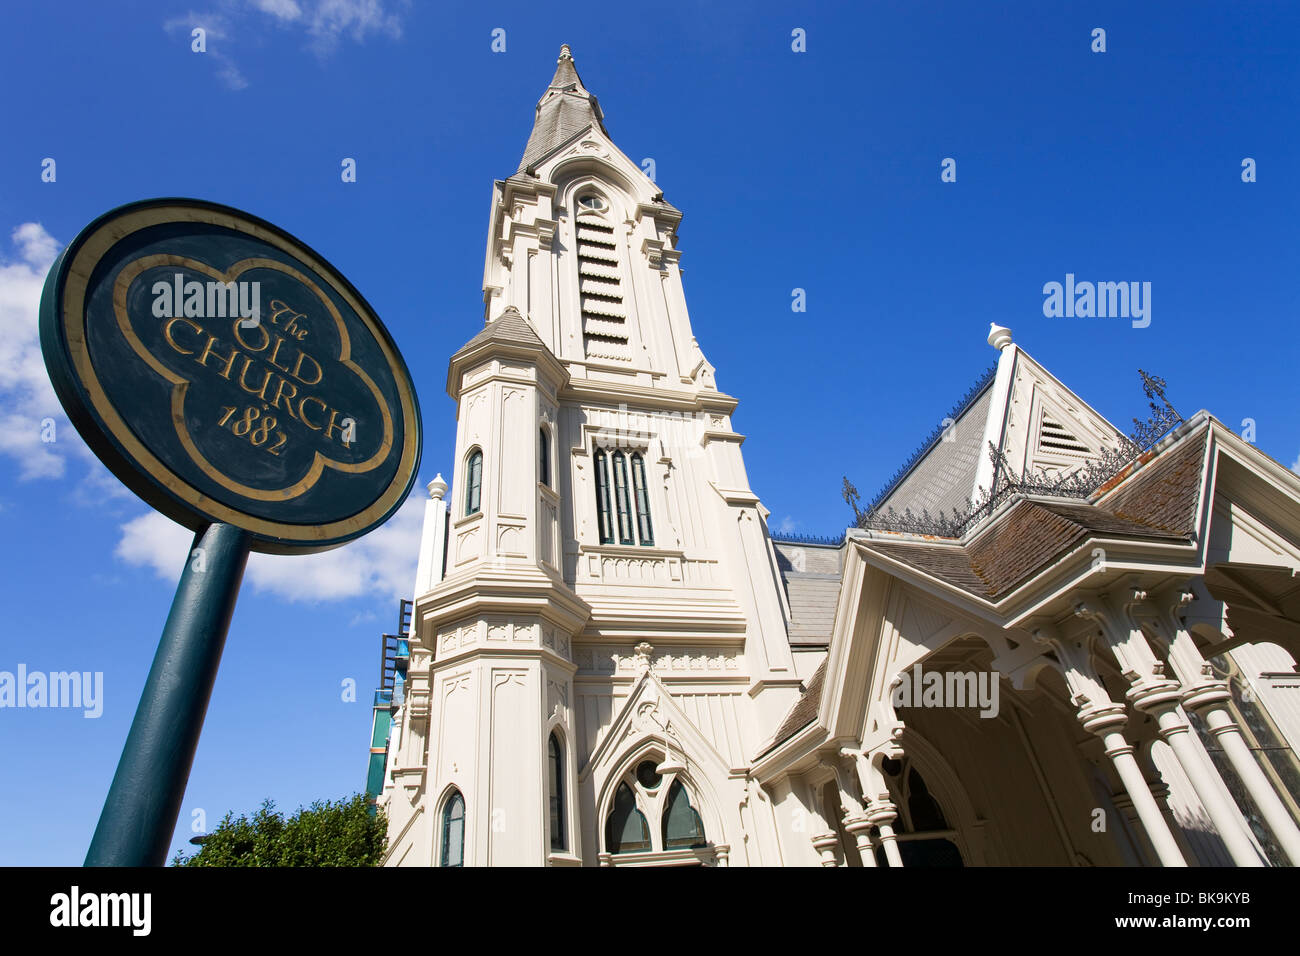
[[565, 52], [999, 336]]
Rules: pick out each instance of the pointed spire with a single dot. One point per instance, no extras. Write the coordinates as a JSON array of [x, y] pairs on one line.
[[565, 109]]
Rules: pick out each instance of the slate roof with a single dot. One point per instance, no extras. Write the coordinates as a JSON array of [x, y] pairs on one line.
[[509, 326], [1159, 502], [811, 575], [565, 109], [803, 713]]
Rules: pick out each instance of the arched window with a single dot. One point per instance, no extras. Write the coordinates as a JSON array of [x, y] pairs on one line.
[[923, 829], [453, 831], [625, 829], [602, 500], [652, 812], [621, 499], [555, 791], [681, 824], [474, 483], [644, 531], [544, 457]]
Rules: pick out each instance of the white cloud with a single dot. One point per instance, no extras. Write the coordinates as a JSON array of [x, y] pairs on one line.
[[787, 526], [1295, 465], [325, 22], [29, 410], [284, 9], [382, 564], [26, 397]]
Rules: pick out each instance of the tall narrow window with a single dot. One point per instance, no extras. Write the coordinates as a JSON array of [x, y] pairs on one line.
[[643, 529], [453, 831], [602, 500], [621, 499], [555, 783], [625, 828], [474, 483], [544, 457]]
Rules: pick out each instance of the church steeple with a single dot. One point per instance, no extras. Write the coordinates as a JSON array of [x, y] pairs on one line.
[[565, 109]]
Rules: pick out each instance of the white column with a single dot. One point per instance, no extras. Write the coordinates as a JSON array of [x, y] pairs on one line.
[[1106, 719], [432, 540], [883, 815], [1106, 723], [1206, 695], [1261, 791]]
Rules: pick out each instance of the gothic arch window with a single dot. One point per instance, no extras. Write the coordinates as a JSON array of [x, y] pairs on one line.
[[681, 823], [653, 812], [623, 499], [544, 456], [625, 828], [923, 829], [555, 792], [453, 831], [474, 482]]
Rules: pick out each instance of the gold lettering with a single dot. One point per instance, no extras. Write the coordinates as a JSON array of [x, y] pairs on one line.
[[334, 413], [167, 334], [266, 380], [302, 414], [278, 309], [297, 367], [239, 337], [207, 350], [276, 351], [280, 386]]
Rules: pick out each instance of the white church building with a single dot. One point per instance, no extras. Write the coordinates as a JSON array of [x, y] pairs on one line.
[[1046, 642]]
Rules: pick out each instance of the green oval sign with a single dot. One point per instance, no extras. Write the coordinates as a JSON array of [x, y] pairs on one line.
[[225, 372]]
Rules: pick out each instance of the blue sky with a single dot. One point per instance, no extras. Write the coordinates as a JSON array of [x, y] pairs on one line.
[[817, 170]]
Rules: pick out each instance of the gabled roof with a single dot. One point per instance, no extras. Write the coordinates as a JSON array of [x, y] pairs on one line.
[[565, 109]]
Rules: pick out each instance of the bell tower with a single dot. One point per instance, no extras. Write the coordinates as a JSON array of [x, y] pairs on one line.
[[600, 515]]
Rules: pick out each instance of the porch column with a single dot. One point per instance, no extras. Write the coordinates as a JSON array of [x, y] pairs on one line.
[[883, 816], [856, 823], [1219, 719], [1106, 719], [880, 810], [1151, 692], [1107, 723], [1206, 695], [824, 838]]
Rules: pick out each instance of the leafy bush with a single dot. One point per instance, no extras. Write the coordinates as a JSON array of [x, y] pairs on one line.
[[341, 833]]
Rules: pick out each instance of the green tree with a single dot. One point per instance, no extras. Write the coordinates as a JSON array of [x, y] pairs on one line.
[[341, 833]]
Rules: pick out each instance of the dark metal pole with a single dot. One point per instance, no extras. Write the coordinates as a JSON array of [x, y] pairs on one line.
[[139, 816]]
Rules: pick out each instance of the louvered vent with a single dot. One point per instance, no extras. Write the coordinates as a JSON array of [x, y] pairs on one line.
[[1056, 437], [600, 288]]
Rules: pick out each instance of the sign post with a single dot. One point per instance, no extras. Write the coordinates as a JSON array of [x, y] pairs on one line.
[[230, 377], [145, 798]]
